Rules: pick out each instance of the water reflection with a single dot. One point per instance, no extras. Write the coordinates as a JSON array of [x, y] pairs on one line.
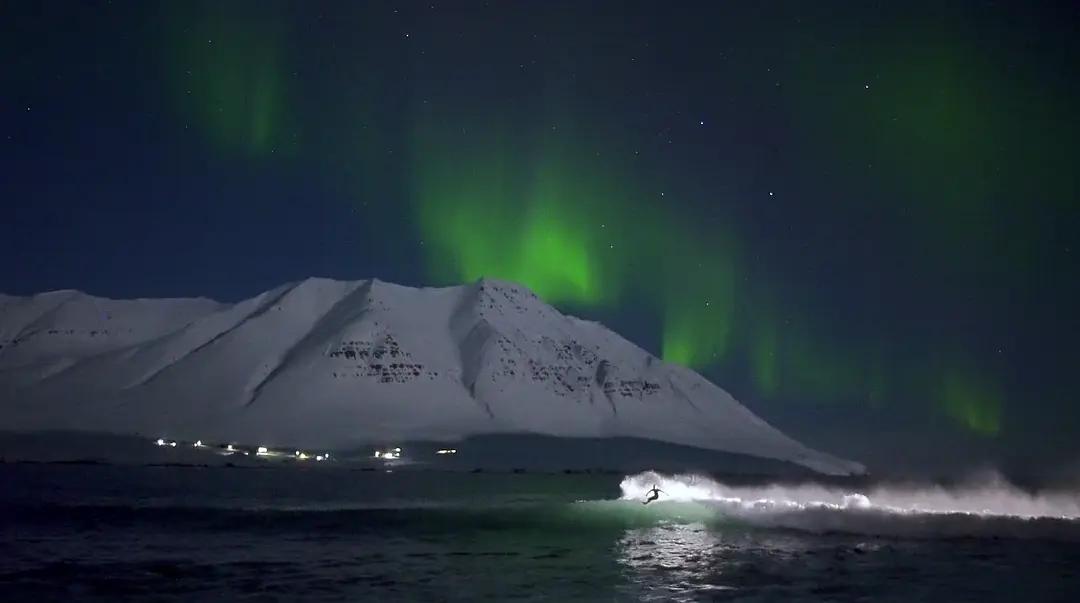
[[710, 561], [673, 562]]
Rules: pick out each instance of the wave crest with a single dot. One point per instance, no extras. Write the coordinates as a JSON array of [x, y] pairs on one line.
[[989, 507]]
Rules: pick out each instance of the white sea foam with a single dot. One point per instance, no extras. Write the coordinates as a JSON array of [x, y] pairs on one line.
[[987, 507]]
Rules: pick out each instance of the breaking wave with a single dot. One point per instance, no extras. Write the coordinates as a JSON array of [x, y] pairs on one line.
[[989, 508]]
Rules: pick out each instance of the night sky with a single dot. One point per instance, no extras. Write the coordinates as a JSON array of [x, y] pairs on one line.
[[859, 218]]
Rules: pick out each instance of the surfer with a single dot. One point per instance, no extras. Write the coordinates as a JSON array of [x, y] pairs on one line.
[[652, 495]]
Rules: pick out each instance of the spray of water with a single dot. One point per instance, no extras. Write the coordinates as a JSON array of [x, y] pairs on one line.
[[990, 506]]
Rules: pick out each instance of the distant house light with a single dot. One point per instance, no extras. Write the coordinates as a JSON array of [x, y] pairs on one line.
[[261, 451], [198, 444], [160, 442], [391, 454]]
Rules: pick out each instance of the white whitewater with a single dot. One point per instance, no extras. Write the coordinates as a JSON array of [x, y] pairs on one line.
[[989, 506]]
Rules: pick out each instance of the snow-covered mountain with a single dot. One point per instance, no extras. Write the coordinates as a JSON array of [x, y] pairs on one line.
[[333, 364]]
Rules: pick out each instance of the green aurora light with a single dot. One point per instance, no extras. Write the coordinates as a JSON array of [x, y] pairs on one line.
[[579, 232], [584, 229], [566, 226], [229, 78], [971, 401]]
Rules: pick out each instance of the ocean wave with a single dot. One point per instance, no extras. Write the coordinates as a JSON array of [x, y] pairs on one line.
[[990, 507]]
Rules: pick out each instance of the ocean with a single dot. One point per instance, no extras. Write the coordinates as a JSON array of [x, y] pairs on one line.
[[138, 533]]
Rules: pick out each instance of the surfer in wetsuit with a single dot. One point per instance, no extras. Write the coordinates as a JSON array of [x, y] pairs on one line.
[[652, 495]]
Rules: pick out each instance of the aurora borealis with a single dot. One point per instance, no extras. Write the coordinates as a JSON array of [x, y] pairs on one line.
[[859, 220], [238, 102]]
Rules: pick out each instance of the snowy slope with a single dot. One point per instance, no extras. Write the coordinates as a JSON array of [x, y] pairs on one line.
[[326, 363]]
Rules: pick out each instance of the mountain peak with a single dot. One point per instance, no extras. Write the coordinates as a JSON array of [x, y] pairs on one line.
[[330, 363]]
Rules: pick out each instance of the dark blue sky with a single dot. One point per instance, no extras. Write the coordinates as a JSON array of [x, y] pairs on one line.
[[878, 203]]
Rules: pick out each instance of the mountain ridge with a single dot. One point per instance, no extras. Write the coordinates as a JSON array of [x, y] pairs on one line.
[[332, 363]]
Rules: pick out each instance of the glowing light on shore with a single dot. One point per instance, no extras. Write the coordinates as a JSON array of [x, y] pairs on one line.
[[392, 454]]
